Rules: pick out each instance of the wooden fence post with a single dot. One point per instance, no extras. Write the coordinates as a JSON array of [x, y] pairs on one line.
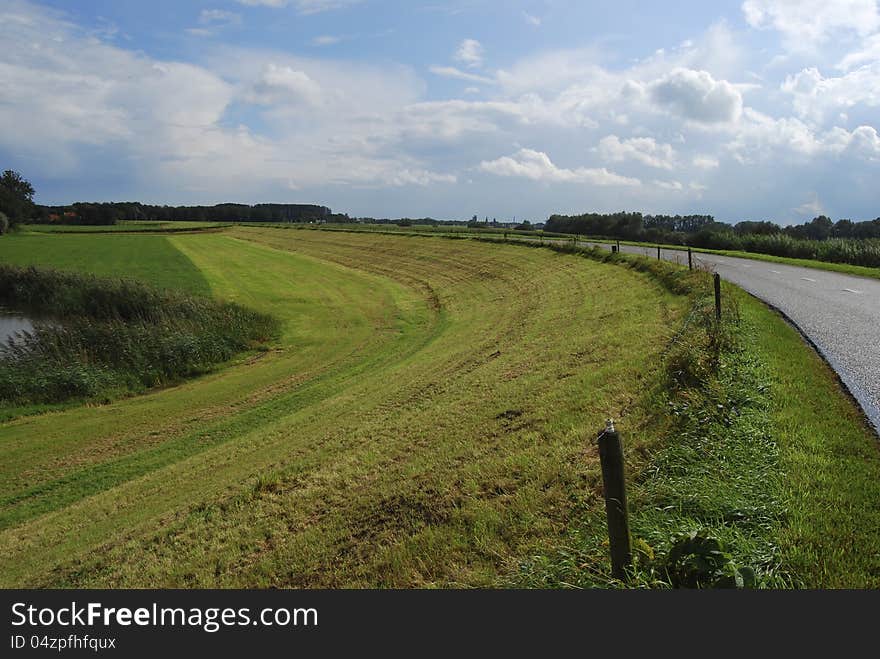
[[690, 259], [611, 457], [717, 296]]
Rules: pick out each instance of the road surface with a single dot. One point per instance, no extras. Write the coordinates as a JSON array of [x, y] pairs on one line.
[[839, 313]]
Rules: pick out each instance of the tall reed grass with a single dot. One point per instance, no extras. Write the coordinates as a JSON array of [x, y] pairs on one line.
[[108, 337]]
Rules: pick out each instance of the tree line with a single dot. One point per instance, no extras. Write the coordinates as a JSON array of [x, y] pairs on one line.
[[844, 241], [702, 229], [112, 212]]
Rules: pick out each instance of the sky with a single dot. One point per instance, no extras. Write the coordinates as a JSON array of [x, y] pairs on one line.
[[746, 110]]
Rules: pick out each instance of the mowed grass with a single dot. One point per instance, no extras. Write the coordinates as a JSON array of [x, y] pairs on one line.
[[152, 259], [127, 226], [426, 419]]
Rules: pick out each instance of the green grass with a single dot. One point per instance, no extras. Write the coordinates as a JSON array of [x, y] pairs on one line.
[[126, 226], [463, 231], [830, 460], [427, 418], [152, 259], [420, 422]]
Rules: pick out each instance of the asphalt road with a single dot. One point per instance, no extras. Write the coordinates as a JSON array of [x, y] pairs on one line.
[[839, 313]]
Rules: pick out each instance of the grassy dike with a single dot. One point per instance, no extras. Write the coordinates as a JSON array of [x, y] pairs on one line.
[[763, 451], [511, 235], [426, 418], [420, 422]]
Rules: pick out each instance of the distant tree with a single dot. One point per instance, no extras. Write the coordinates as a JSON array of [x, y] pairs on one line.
[[16, 197], [759, 228], [843, 229], [4, 223], [820, 228]]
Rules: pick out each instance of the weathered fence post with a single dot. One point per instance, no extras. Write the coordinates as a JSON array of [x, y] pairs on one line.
[[611, 457], [690, 259], [717, 296], [658, 252], [618, 245]]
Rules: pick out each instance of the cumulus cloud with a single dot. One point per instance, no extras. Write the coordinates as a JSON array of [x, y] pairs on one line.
[[470, 53], [697, 96], [284, 84], [814, 96], [537, 166], [803, 22], [762, 137], [645, 150]]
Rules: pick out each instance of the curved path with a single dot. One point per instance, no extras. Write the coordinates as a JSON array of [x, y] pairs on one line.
[[839, 313]]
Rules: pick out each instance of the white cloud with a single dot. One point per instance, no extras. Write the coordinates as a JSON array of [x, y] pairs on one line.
[[537, 166], [458, 74], [279, 84], [804, 22], [815, 96], [868, 52], [671, 186], [863, 142], [697, 96], [470, 53], [213, 21], [763, 138], [645, 150], [810, 208]]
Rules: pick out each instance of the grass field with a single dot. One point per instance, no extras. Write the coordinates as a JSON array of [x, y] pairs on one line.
[[425, 419], [860, 271], [153, 259], [126, 226]]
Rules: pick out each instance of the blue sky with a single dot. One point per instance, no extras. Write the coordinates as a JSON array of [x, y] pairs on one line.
[[762, 109]]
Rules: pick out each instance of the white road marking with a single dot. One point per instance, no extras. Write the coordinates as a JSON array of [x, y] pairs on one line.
[[776, 272], [849, 290], [808, 279]]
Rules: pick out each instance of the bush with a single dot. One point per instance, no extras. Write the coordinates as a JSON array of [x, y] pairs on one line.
[[4, 223]]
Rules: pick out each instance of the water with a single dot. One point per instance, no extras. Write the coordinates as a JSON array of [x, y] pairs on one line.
[[13, 322]]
